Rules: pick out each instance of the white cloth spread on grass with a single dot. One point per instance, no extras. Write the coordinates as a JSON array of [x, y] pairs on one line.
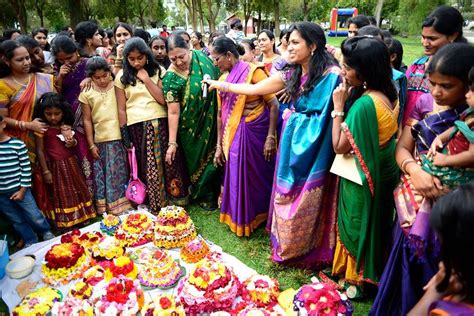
[[9, 285]]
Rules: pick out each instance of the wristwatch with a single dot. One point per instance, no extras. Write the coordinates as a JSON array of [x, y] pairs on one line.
[[335, 113]]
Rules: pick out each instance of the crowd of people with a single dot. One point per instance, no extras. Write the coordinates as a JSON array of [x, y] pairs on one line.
[[344, 152]]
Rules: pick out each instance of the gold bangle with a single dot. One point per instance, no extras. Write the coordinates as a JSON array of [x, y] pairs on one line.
[[405, 163], [46, 172], [174, 144], [271, 136], [92, 147]]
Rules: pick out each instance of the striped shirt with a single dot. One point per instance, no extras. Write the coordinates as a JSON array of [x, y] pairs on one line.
[[15, 169]]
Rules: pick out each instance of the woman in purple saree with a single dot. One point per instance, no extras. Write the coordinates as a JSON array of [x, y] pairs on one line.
[[246, 142]]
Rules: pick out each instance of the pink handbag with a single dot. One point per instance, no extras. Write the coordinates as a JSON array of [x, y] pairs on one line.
[[136, 190]]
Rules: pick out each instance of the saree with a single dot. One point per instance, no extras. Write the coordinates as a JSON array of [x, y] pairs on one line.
[[247, 175], [414, 255], [302, 218], [364, 212], [197, 130], [450, 308], [71, 91], [20, 105], [417, 85]]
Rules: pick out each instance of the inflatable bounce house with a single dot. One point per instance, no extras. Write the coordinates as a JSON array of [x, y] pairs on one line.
[[338, 19]]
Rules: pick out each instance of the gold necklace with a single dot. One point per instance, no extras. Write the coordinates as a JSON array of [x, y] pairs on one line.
[[22, 84]]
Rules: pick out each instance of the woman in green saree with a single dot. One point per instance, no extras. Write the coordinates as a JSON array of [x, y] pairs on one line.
[[368, 130], [192, 118]]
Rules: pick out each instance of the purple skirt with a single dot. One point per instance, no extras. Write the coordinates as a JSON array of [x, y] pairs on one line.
[[248, 178]]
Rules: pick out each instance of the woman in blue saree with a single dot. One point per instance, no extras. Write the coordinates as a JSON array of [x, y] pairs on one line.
[[302, 214]]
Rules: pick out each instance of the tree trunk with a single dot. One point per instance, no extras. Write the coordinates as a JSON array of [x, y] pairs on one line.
[[247, 13], [201, 15], [193, 14], [76, 13], [211, 19], [276, 14], [19, 6], [259, 28], [39, 5], [378, 11], [305, 10]]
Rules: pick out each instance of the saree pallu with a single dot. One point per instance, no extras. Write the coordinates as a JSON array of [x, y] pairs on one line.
[[198, 131], [71, 90], [111, 177], [417, 85], [21, 107], [365, 211], [302, 219], [414, 256], [248, 176], [450, 308], [166, 184]]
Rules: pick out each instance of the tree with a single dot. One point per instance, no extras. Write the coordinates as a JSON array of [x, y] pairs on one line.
[[40, 7], [19, 8], [276, 15], [378, 11], [247, 6], [212, 13]]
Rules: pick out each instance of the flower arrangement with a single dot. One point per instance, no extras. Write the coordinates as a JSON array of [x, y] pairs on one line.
[[261, 290], [110, 223], [80, 290], [163, 305], [321, 299], [157, 269], [108, 249], [38, 302], [64, 262], [121, 266], [194, 250], [94, 275], [210, 286], [72, 306], [136, 230], [174, 228], [87, 240], [122, 296]]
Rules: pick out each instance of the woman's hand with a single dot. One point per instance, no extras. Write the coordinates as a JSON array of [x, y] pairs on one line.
[[95, 153], [86, 84], [440, 160], [119, 50], [64, 70], [37, 125], [142, 74], [436, 145], [454, 286], [219, 158], [426, 184], [283, 96], [213, 84], [339, 96], [170, 154], [269, 149]]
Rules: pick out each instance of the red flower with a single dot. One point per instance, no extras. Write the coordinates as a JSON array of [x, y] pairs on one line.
[[165, 303]]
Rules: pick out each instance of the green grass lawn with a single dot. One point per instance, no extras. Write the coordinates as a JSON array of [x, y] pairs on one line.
[[255, 252], [412, 48]]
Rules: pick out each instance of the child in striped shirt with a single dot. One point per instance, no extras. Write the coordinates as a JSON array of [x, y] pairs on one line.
[[16, 200]]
